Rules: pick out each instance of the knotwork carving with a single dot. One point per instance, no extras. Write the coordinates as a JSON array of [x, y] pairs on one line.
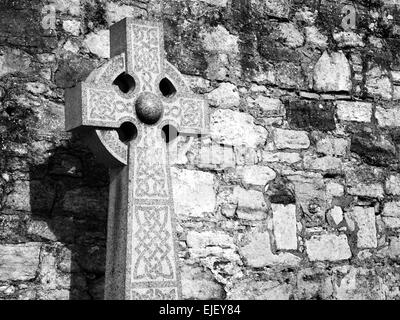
[[153, 247]]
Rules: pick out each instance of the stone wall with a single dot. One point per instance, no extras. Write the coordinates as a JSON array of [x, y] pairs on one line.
[[294, 195]]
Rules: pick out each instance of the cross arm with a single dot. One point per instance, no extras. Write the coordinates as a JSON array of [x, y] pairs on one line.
[[189, 113], [91, 105]]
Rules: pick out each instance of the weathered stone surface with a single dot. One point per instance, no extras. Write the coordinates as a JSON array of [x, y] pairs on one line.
[[290, 139], [332, 73], [193, 192], [270, 107], [285, 226], [225, 96], [72, 26], [328, 247], [208, 243], [311, 115], [256, 250], [227, 127], [354, 111], [335, 189], [281, 157], [393, 185], [355, 284], [220, 40], [387, 117], [367, 190], [116, 12], [312, 197], [259, 290], [335, 216], [19, 262], [220, 3], [215, 157], [288, 34], [327, 164], [274, 8], [348, 39], [378, 83], [20, 199], [14, 60], [199, 284], [71, 7], [256, 175], [313, 283], [391, 215], [374, 149], [251, 204], [394, 247], [332, 146], [99, 43], [364, 219], [315, 38]]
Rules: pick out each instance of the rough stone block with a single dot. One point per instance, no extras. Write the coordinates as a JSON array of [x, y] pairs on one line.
[[332, 73], [378, 83], [311, 115], [199, 284], [334, 189], [14, 60], [326, 164], [328, 247], [256, 175], [391, 215], [394, 247], [393, 185], [348, 39], [315, 38], [19, 262], [193, 192], [274, 8], [250, 204], [332, 146], [215, 157], [256, 250], [288, 34], [365, 221], [270, 107], [354, 111], [373, 190], [335, 216], [211, 243], [20, 198], [375, 149], [227, 127], [98, 43], [285, 226], [290, 139], [219, 40], [225, 96], [387, 117]]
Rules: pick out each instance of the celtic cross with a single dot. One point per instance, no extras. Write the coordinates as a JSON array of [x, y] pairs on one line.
[[127, 110]]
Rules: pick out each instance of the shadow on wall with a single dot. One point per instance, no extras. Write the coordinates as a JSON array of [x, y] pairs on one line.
[[69, 197]]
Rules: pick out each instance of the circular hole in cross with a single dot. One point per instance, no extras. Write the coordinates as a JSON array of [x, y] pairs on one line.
[[127, 132], [125, 83], [169, 133], [167, 88]]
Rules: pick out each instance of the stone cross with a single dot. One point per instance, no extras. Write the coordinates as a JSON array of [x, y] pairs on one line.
[[128, 109]]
